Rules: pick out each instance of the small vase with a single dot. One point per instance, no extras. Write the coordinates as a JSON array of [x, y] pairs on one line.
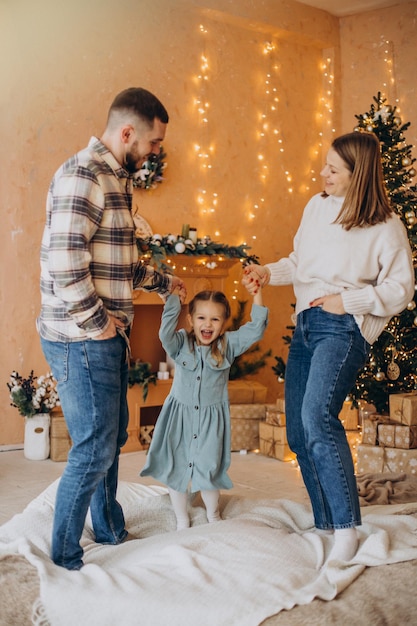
[[37, 444]]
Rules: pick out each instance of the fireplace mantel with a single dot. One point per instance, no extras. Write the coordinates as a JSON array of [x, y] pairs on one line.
[[199, 273]]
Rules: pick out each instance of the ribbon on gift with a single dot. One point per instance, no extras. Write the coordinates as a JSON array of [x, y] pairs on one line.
[[378, 417], [273, 419], [271, 451], [400, 412]]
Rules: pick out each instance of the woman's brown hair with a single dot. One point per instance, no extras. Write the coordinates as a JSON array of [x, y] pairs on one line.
[[366, 202], [218, 347]]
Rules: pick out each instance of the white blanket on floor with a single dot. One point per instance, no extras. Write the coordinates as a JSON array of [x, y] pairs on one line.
[[262, 558]]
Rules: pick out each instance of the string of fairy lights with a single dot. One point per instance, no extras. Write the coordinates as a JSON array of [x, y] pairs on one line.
[[269, 141], [207, 199]]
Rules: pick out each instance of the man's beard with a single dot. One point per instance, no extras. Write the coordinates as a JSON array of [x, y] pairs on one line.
[[131, 163]]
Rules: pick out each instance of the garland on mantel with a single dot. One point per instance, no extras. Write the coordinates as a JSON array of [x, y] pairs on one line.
[[159, 247]]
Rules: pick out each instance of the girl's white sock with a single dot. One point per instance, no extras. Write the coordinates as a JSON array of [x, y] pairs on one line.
[[179, 504], [211, 501]]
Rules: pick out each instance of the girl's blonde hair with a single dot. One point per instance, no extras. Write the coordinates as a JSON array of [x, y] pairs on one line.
[[366, 202], [218, 347]]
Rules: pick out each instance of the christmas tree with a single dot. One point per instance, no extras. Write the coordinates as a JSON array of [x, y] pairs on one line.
[[392, 365]]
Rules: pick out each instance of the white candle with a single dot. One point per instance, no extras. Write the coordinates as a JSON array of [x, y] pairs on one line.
[[192, 234], [163, 375]]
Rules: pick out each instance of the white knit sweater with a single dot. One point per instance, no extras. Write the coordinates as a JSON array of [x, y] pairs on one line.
[[370, 267]]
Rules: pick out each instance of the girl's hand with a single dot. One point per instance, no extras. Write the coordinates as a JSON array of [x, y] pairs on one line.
[[331, 304], [182, 294]]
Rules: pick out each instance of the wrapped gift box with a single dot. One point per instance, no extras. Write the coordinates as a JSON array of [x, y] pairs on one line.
[[281, 405], [281, 452], [395, 435], [349, 416], [386, 435], [246, 392], [244, 422], [273, 442], [370, 428], [370, 432], [403, 408], [376, 460], [59, 436], [274, 416], [244, 434], [370, 459], [405, 437], [354, 441], [248, 411]]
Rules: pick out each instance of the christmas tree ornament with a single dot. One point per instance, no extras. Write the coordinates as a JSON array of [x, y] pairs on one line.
[[379, 376], [393, 369], [411, 305], [179, 247]]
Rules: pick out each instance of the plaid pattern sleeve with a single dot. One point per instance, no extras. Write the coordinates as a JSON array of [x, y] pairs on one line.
[[147, 278]]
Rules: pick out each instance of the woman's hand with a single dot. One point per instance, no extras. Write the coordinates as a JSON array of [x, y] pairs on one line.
[[331, 304], [254, 277]]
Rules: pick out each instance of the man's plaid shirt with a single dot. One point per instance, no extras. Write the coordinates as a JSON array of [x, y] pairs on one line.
[[89, 257]]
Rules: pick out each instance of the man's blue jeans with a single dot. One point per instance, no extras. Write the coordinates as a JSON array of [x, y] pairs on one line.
[[92, 386], [326, 353]]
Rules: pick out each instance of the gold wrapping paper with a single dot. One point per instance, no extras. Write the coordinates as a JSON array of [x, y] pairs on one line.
[[377, 459], [403, 408]]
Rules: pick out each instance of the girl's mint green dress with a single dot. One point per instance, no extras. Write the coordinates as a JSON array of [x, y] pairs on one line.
[[191, 440]]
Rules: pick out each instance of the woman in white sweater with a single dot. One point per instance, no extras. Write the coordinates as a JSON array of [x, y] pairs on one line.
[[351, 269]]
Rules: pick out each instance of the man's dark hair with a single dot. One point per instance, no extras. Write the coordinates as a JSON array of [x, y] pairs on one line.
[[141, 103]]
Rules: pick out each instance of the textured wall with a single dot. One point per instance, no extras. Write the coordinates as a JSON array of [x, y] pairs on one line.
[[61, 65]]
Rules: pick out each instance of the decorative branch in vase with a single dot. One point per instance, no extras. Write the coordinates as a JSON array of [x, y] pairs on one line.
[[34, 398]]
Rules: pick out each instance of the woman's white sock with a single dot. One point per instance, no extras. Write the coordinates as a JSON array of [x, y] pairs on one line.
[[345, 545]]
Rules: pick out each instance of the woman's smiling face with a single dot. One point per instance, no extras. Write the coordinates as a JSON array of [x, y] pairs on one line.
[[207, 321], [336, 175]]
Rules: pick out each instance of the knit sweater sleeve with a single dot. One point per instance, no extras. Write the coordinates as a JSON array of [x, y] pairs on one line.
[[394, 287]]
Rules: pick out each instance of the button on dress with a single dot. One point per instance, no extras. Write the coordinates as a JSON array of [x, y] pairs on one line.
[[191, 440]]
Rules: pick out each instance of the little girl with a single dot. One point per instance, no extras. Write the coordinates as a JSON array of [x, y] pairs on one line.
[[191, 440]]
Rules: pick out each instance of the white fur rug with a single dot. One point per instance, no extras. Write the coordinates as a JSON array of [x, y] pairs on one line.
[[262, 558]]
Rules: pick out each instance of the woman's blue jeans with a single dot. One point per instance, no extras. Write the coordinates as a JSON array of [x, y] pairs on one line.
[[326, 353], [92, 386]]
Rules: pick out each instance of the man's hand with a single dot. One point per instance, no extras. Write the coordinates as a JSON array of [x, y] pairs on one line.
[[110, 331]]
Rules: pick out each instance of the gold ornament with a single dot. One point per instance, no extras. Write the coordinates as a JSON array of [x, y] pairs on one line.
[[410, 214], [379, 375], [411, 305], [393, 370], [412, 172], [369, 128], [406, 161]]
